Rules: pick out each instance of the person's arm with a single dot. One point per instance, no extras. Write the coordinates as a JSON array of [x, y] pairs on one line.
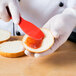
[[61, 27], [13, 7]]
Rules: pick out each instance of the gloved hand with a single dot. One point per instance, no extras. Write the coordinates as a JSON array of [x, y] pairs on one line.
[[13, 7], [61, 27]]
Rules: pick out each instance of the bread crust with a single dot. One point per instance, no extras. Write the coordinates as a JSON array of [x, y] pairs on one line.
[[5, 40], [12, 55]]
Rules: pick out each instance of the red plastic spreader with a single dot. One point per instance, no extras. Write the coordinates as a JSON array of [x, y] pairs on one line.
[[30, 29]]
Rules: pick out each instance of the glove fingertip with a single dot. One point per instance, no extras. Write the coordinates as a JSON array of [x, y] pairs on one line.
[[26, 52], [55, 34], [36, 55]]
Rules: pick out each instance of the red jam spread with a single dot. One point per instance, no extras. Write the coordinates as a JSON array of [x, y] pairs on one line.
[[33, 43]]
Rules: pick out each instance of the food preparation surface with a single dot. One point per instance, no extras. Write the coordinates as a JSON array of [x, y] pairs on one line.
[[60, 63]]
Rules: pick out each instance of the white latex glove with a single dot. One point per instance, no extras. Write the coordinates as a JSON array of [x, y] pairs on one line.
[[13, 7], [61, 27]]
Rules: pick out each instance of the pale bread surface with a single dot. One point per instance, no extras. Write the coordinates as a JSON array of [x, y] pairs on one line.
[[12, 49], [47, 42], [4, 35]]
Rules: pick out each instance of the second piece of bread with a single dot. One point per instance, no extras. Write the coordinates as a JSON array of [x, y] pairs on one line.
[[12, 49]]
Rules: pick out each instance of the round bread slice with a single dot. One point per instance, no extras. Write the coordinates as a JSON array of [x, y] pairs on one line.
[[4, 35], [47, 42], [12, 49]]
